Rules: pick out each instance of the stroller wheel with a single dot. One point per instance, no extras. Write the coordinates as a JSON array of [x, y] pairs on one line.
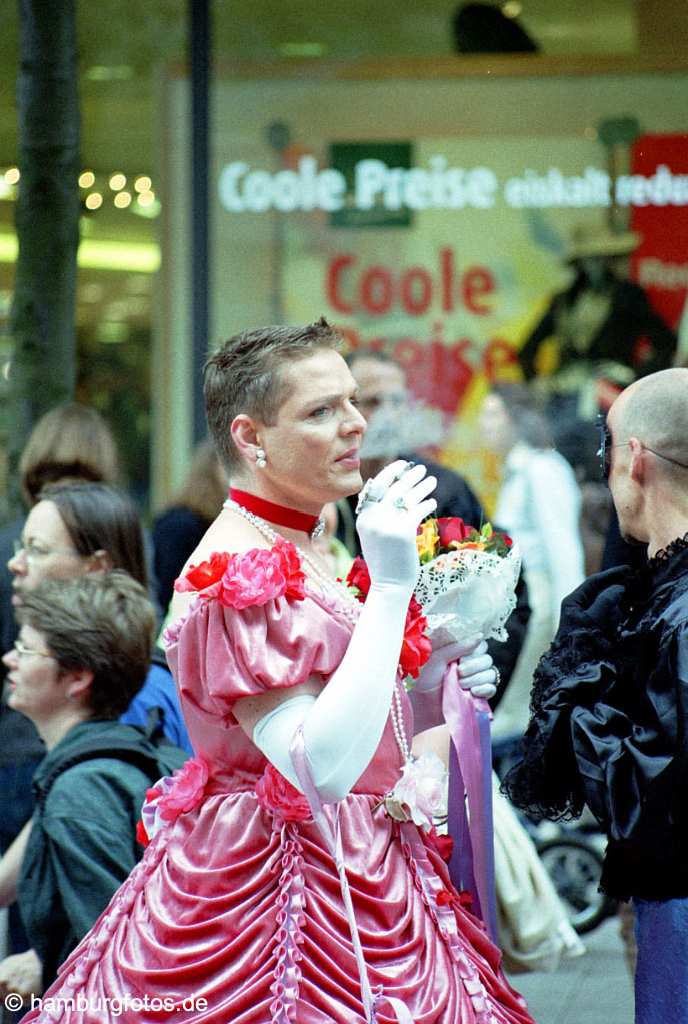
[[575, 867]]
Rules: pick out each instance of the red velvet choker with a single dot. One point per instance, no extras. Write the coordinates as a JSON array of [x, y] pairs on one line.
[[279, 514]]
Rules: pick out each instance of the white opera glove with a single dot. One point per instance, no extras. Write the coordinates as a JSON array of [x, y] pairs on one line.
[[343, 725], [426, 694], [477, 672], [388, 540]]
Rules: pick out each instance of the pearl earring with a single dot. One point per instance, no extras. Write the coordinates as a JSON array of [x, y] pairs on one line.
[[261, 461]]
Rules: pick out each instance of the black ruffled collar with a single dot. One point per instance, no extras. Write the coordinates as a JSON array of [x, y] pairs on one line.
[[665, 554], [666, 565]]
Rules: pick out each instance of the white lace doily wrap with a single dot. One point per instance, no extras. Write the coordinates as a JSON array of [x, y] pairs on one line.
[[467, 592]]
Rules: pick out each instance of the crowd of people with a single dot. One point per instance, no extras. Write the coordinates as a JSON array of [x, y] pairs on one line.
[[205, 776]]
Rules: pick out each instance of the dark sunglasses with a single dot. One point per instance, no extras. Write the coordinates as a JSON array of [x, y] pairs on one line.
[[604, 452]]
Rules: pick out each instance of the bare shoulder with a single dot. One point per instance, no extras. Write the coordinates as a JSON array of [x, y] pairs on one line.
[[228, 532]]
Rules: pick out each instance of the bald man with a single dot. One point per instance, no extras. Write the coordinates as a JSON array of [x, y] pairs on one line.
[[609, 726]]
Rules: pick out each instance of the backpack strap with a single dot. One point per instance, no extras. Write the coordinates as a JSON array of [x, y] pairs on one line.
[[136, 751]]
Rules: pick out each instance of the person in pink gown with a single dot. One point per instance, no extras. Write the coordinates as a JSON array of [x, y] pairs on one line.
[[277, 884]]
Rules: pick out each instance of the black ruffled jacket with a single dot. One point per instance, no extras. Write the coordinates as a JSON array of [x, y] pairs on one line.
[[609, 714]]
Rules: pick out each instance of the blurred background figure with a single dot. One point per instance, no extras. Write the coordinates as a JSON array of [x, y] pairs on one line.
[[539, 505], [178, 529], [81, 656], [605, 331], [70, 442], [399, 428]]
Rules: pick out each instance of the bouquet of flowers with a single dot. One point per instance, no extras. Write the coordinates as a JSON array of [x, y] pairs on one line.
[[467, 579]]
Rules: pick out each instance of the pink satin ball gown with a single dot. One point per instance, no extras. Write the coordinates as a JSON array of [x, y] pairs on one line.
[[234, 915]]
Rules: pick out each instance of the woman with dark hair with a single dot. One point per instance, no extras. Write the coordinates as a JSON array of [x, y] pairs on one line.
[[539, 504], [280, 884], [82, 528]]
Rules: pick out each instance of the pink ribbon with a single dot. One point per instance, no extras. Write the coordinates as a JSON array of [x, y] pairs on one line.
[[331, 832], [462, 713]]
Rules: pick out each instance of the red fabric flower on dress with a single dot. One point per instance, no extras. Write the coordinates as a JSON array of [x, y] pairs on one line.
[[277, 795], [141, 834], [416, 647], [444, 845], [249, 579], [201, 576], [451, 898], [359, 578], [452, 529], [291, 568], [186, 791]]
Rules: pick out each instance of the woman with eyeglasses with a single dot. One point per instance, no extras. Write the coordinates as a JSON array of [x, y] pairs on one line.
[[80, 529]]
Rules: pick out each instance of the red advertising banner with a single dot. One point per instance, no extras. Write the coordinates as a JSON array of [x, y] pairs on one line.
[[660, 216]]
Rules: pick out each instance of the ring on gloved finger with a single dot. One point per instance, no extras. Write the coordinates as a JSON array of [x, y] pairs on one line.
[[400, 503], [365, 497]]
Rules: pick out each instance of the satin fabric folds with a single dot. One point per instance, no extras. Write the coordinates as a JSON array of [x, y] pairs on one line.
[[235, 915]]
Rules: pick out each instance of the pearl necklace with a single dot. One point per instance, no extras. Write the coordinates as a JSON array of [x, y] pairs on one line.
[[346, 603]]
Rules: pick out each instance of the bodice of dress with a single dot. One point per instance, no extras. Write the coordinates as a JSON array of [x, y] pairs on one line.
[[223, 654]]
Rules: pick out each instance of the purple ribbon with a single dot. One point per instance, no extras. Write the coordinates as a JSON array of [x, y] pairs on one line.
[[470, 822]]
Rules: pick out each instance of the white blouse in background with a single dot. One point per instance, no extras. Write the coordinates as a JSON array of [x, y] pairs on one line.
[[539, 505]]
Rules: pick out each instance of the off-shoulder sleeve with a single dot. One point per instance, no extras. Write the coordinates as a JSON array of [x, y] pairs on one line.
[[222, 654], [575, 672]]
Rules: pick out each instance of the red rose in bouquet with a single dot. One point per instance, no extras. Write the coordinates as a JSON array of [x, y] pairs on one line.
[[453, 529]]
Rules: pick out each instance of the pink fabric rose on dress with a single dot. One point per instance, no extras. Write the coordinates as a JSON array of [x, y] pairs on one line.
[[259, 576], [186, 791], [277, 795], [251, 579], [419, 795]]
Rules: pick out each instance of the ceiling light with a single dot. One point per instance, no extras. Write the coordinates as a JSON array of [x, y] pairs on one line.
[[87, 179], [117, 181], [302, 49], [111, 73], [143, 183], [12, 175], [122, 200], [94, 200], [511, 9]]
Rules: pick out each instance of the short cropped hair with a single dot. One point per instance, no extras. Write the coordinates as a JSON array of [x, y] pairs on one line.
[[244, 376], [70, 442], [101, 518], [656, 412], [104, 624]]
